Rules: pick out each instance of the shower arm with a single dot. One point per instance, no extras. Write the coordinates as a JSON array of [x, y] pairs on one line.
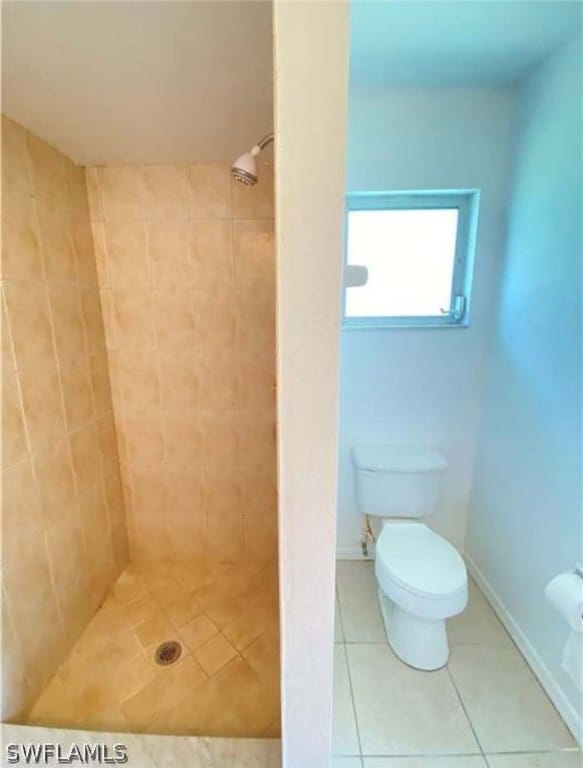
[[265, 141]]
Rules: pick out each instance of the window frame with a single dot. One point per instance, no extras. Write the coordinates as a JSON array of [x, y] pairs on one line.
[[467, 203]]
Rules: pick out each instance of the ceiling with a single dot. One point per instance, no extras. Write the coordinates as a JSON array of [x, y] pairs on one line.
[[483, 43], [140, 82]]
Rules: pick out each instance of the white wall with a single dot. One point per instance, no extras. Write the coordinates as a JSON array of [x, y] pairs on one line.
[[525, 521], [423, 386], [311, 47]]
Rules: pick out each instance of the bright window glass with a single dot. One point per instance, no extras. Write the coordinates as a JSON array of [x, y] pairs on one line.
[[410, 255]]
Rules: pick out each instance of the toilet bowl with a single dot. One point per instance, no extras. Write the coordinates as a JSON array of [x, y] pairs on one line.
[[422, 582]]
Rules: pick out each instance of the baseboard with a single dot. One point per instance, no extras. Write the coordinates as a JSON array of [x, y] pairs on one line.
[[572, 718], [353, 553]]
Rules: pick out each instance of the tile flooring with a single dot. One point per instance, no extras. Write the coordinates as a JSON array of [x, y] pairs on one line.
[[226, 682], [484, 710]]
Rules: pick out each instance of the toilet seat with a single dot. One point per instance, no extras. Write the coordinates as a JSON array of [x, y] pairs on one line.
[[420, 571]]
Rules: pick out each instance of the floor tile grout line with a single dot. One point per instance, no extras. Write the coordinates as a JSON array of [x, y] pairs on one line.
[[340, 620], [350, 685], [466, 713]]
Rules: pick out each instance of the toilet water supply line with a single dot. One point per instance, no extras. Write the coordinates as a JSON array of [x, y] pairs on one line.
[[367, 536]]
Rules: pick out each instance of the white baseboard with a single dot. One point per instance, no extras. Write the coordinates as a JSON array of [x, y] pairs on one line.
[[354, 553], [572, 718]]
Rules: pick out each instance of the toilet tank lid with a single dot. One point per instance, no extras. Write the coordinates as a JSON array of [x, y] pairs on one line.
[[397, 458]]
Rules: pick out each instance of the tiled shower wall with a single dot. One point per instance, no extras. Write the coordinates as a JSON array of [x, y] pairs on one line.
[[186, 272], [63, 528]]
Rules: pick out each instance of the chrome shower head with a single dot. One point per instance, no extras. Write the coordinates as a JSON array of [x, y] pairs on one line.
[[244, 169]]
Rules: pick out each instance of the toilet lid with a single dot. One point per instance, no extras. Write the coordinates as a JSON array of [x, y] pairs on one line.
[[420, 561]]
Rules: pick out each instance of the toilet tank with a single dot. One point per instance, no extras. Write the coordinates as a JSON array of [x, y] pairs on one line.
[[397, 480]]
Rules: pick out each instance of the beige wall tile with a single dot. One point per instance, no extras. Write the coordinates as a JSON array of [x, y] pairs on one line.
[[53, 580], [119, 542], [222, 487], [100, 250], [218, 436], [108, 318], [259, 489], [225, 537], [211, 248], [210, 191], [43, 406], [8, 359], [174, 320], [93, 194], [255, 322], [48, 168], [182, 437], [66, 311], [217, 372], [169, 254], [149, 494], [114, 500], [133, 319], [260, 533], [70, 574], [77, 392], [137, 378], [21, 518], [54, 472], [256, 377], [189, 538], [214, 317], [93, 322], [254, 252], [179, 379], [15, 689], [21, 257], [14, 442], [82, 238], [26, 575], [122, 192], [186, 354], [55, 235], [256, 436], [144, 437], [166, 191], [100, 384], [29, 321], [107, 444], [127, 253], [85, 452]]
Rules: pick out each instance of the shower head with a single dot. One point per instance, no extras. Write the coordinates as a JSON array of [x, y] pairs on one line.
[[244, 169]]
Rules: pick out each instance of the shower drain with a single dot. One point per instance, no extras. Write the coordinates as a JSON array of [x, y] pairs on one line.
[[168, 653]]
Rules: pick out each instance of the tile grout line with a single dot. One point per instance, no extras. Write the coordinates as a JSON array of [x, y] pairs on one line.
[[466, 713], [350, 685]]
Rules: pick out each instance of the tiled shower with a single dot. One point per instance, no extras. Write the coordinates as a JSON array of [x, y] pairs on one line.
[[139, 445]]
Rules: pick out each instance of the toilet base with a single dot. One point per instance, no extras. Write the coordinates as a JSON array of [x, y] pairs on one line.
[[420, 643]]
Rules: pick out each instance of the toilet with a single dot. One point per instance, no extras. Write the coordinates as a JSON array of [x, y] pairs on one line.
[[422, 578]]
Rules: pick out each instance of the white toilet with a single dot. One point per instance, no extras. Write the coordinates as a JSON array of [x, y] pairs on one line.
[[422, 577]]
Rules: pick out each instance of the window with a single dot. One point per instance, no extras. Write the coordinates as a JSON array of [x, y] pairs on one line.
[[418, 250]]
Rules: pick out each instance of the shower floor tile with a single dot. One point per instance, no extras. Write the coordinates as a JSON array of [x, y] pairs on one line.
[[226, 681]]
